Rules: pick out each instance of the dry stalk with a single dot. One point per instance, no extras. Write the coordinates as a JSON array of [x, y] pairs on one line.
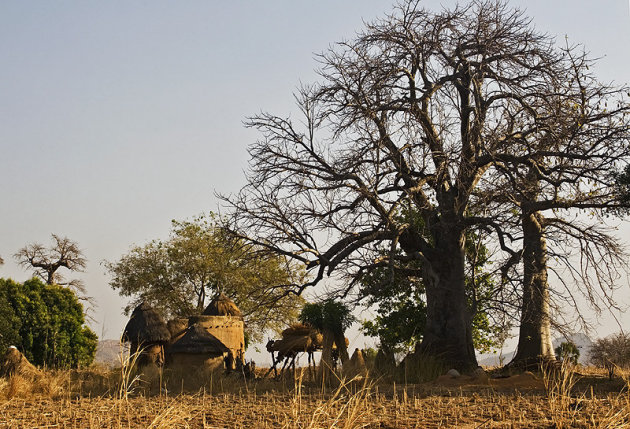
[[128, 363], [559, 382]]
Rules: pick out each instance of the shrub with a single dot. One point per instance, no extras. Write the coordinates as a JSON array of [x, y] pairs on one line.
[[611, 352], [568, 351]]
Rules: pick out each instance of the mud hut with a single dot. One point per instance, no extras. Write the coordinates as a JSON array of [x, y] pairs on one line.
[[223, 320], [15, 363], [198, 348], [147, 333]]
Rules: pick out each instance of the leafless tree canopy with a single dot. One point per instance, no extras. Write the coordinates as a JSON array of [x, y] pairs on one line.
[[458, 117], [47, 261]]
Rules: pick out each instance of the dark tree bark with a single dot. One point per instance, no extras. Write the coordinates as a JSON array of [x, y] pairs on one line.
[[448, 330], [534, 341]]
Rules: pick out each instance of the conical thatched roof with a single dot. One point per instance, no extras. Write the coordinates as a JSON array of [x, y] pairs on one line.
[[146, 326], [13, 362], [222, 306], [200, 341], [357, 359], [356, 365]]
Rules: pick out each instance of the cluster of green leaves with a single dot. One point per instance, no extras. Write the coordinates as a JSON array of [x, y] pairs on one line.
[[179, 276], [328, 315], [46, 323], [567, 351], [399, 303]]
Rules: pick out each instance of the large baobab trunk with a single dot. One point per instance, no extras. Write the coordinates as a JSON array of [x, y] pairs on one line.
[[534, 342], [448, 331]]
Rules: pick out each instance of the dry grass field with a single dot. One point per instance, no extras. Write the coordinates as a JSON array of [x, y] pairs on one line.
[[98, 399]]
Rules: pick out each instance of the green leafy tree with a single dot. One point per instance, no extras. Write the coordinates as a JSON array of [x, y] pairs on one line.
[[331, 318], [179, 276], [48, 324], [567, 351], [9, 322], [622, 182]]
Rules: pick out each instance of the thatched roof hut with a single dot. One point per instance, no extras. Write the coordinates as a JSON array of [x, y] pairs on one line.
[[177, 328], [14, 363], [146, 326], [222, 306], [198, 340]]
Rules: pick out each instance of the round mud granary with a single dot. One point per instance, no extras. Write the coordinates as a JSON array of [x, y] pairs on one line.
[[148, 334], [197, 348], [223, 320]]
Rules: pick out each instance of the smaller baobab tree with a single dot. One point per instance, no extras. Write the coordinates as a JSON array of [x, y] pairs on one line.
[[47, 261]]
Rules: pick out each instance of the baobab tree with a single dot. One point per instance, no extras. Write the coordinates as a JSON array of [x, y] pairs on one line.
[[46, 262], [419, 110]]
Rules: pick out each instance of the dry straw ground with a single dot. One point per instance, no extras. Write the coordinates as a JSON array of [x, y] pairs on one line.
[[94, 399]]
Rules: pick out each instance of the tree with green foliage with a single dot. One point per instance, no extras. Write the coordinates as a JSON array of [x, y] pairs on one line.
[[9, 322], [622, 180], [331, 318], [178, 276], [567, 351], [46, 323]]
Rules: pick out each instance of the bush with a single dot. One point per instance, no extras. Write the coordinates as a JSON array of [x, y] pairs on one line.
[[567, 351], [612, 352], [46, 323]]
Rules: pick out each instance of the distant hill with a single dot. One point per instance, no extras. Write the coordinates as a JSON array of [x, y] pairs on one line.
[[108, 353], [582, 341]]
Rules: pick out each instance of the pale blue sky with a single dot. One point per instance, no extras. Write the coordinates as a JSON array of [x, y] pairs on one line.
[[116, 117]]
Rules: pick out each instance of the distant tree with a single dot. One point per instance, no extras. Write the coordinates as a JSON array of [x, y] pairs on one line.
[[46, 262], [568, 351], [331, 318], [179, 276], [46, 323], [612, 352]]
